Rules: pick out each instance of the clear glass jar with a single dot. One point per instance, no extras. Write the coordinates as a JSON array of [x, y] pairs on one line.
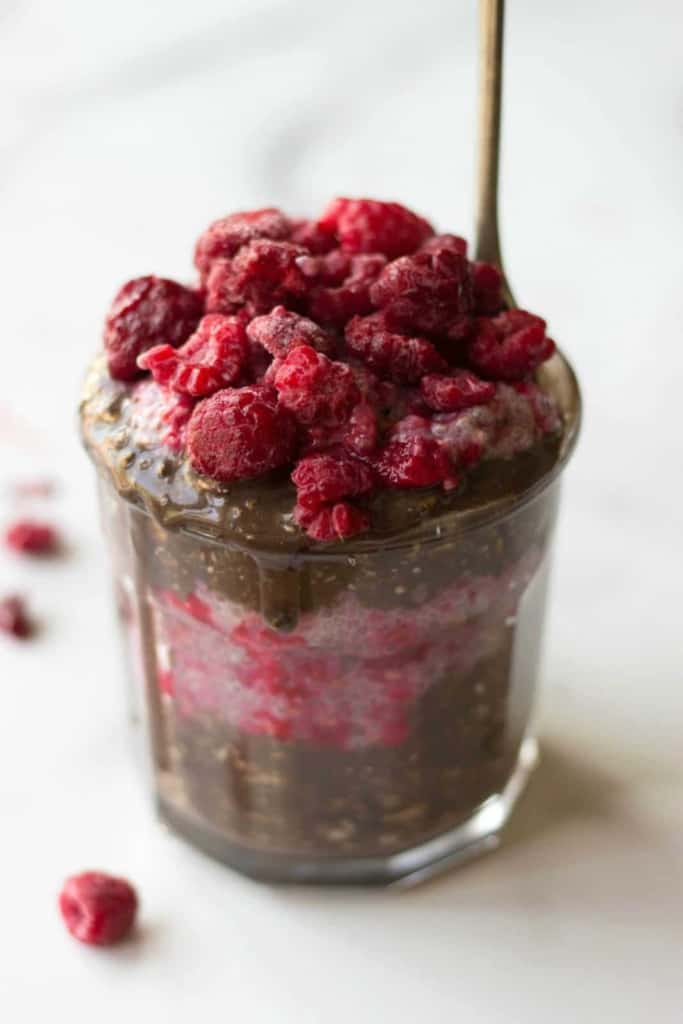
[[360, 714]]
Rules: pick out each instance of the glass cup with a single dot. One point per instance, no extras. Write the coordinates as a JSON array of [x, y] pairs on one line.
[[361, 713]]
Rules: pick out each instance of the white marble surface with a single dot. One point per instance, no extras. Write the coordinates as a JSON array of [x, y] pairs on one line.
[[123, 129]]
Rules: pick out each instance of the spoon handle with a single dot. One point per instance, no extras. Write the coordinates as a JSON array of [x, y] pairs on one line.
[[487, 247]]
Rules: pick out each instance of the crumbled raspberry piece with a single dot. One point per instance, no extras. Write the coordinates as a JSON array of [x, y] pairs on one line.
[[368, 225], [279, 331], [337, 522], [418, 462], [509, 346], [426, 291], [362, 431], [98, 909], [175, 412], [409, 427], [314, 388], [32, 538], [546, 413], [439, 243], [240, 432], [336, 305], [147, 311], [212, 358], [459, 391], [262, 275], [14, 617], [323, 478], [313, 236], [487, 283], [224, 237], [389, 354]]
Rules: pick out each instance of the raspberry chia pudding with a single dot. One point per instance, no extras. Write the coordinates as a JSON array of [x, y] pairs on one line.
[[329, 474]]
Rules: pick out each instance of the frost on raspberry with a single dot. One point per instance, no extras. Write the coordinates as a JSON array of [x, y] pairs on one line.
[[460, 390], [262, 275], [362, 430], [239, 433], [224, 237], [280, 331], [390, 354], [324, 478], [424, 292], [337, 522], [415, 462], [351, 297], [147, 311], [30, 537], [368, 225], [509, 346], [211, 359], [97, 908], [315, 389]]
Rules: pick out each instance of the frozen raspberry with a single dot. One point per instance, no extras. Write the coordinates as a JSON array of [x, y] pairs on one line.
[[337, 522], [419, 462], [279, 331], [98, 909], [459, 391], [262, 275], [147, 311], [392, 355], [175, 412], [32, 538], [240, 433], [424, 292], [487, 283], [14, 617], [316, 389], [323, 478], [336, 305], [439, 243], [330, 269], [362, 431], [367, 225], [211, 359], [313, 236], [509, 346], [224, 237]]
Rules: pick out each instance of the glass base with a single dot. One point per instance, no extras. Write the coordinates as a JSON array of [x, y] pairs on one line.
[[476, 835]]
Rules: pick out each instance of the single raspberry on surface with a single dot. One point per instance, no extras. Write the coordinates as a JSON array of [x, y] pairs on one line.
[[459, 391], [280, 331], [224, 237], [487, 284], [389, 354], [337, 522], [336, 305], [263, 274], [368, 225], [362, 430], [315, 389], [426, 291], [98, 909], [239, 433], [32, 538], [147, 311], [417, 462], [212, 358], [323, 478], [14, 617], [509, 346]]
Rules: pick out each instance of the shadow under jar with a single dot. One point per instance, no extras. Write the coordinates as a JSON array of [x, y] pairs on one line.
[[358, 712]]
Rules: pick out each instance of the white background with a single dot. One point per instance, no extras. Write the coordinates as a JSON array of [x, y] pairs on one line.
[[124, 128]]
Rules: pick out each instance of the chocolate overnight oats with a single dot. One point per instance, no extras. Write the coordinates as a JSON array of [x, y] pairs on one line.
[[329, 475]]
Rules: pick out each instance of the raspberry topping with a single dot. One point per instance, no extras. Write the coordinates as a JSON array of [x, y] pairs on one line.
[[337, 522], [324, 478], [425, 292], [417, 462], [211, 359], [32, 538], [98, 909], [509, 346], [487, 282], [262, 275], [238, 433], [459, 391], [314, 388], [224, 237], [280, 331], [352, 296], [362, 431], [367, 225], [147, 311], [14, 617], [403, 359]]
